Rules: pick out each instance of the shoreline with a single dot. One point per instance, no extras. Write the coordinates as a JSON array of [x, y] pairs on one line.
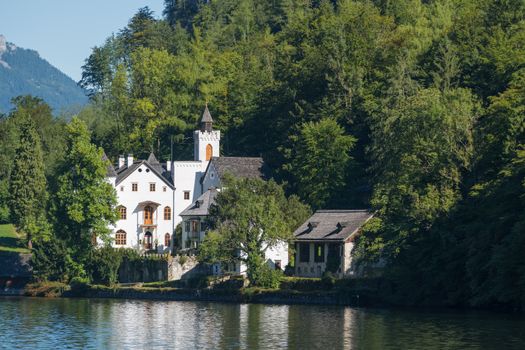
[[258, 296]]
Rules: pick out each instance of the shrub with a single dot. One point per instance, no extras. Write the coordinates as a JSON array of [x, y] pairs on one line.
[[302, 283], [328, 280], [266, 277], [79, 284], [289, 270], [104, 264], [183, 259], [52, 261]]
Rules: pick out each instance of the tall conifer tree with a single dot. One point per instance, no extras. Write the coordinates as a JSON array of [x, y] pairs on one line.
[[27, 181]]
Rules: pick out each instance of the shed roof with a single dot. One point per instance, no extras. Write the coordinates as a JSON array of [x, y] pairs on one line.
[[202, 205]]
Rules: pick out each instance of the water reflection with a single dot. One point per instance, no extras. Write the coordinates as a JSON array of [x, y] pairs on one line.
[[120, 324]]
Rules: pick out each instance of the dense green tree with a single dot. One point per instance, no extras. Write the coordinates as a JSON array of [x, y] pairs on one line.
[[84, 203], [320, 162], [27, 182], [249, 217]]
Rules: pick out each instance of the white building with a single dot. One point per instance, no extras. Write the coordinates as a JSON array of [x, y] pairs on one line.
[[152, 196], [145, 204]]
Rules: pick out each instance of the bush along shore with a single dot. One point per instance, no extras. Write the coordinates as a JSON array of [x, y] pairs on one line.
[[292, 290]]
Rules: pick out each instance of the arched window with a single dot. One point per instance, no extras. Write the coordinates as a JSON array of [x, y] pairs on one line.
[[148, 215], [123, 212], [167, 213], [209, 152], [167, 239], [120, 237]]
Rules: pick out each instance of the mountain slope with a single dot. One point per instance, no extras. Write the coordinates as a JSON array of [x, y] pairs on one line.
[[24, 72]]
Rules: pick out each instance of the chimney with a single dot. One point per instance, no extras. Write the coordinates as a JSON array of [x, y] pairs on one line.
[[130, 159], [121, 161]]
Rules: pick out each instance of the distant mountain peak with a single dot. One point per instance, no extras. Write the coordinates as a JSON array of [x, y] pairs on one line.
[[24, 72], [5, 47]]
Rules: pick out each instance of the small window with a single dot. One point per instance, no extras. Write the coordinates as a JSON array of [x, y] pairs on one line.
[[304, 252], [209, 151], [167, 239], [123, 213], [319, 252], [120, 237], [186, 195], [134, 187], [152, 187], [121, 188], [164, 188], [167, 213]]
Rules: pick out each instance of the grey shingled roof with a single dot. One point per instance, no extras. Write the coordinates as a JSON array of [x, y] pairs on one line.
[[202, 204], [206, 116], [332, 225], [245, 167], [152, 163]]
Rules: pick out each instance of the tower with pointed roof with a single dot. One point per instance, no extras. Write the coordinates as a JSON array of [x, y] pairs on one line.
[[206, 140]]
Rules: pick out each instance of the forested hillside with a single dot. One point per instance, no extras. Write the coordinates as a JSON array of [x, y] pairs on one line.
[[24, 72], [413, 108]]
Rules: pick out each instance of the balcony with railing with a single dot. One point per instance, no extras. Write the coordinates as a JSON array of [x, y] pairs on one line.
[[149, 222]]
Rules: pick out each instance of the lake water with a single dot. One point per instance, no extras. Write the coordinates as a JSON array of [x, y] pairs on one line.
[[29, 323]]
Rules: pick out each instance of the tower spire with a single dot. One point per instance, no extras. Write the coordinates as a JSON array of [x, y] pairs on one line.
[[206, 121]]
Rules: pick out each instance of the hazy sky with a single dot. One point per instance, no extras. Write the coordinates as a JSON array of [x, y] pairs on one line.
[[64, 31]]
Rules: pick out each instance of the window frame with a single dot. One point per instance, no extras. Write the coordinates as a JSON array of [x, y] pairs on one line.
[[134, 187], [121, 237], [152, 187], [167, 213], [123, 213], [187, 195]]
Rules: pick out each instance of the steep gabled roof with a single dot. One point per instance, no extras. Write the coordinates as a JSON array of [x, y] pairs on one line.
[[202, 205], [332, 225], [152, 163], [242, 167]]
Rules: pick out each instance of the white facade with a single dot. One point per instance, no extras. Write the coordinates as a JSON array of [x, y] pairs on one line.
[[145, 206], [151, 196]]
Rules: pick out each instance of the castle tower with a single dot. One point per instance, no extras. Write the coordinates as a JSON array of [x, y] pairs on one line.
[[206, 140]]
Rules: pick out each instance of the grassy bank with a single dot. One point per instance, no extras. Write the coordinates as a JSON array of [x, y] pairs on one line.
[[11, 241], [292, 291]]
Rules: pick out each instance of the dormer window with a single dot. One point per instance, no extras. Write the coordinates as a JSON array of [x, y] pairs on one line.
[[341, 225], [312, 225]]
